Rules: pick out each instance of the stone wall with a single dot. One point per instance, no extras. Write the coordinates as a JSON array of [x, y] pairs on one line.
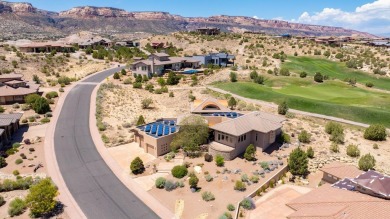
[[226, 155]]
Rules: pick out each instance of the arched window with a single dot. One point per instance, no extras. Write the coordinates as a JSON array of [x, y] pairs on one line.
[[211, 107]]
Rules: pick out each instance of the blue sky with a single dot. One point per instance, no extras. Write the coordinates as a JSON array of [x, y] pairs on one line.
[[366, 15]]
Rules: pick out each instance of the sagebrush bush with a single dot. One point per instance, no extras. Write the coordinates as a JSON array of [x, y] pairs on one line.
[[231, 207], [160, 182], [304, 137], [247, 203], [208, 196], [367, 162], [16, 207], [179, 171], [169, 186], [375, 133], [353, 150], [239, 186]]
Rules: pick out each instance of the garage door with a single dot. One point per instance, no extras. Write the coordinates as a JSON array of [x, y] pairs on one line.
[[150, 149]]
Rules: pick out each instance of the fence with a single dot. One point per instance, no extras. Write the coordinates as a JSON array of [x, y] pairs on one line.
[[276, 176]]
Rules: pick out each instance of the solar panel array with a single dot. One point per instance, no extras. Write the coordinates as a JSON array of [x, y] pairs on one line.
[[228, 114], [345, 184], [160, 128]]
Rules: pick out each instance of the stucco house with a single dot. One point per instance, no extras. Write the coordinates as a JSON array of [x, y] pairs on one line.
[[9, 124], [158, 63], [221, 59], [230, 132], [13, 88]]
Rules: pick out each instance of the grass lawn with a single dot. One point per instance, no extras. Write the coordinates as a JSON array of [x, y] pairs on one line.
[[336, 70], [333, 98]]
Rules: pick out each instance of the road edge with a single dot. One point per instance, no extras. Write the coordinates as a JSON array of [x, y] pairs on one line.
[[144, 196]]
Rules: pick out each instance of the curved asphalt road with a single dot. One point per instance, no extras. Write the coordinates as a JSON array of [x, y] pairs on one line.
[[96, 189]]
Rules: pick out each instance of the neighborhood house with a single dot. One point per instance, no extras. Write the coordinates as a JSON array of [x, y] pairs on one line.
[[230, 132], [13, 89], [9, 124]]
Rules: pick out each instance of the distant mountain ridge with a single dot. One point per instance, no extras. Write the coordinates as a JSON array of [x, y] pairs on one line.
[[24, 19]]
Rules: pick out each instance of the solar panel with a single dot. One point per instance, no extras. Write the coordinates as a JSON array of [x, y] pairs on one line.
[[160, 130], [172, 123], [166, 130], [173, 129], [154, 129], [147, 128]]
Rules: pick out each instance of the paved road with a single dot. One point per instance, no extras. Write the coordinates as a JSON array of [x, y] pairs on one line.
[[96, 189]]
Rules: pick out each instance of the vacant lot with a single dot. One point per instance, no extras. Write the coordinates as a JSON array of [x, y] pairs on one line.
[[331, 98], [336, 70]]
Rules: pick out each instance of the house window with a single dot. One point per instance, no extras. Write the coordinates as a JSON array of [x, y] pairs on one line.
[[223, 137], [219, 137], [245, 137], [143, 68], [256, 136], [239, 138], [227, 138]]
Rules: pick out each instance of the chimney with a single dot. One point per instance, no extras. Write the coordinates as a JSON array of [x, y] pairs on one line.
[[151, 58]]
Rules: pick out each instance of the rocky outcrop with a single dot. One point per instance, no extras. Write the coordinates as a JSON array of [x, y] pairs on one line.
[[106, 20]]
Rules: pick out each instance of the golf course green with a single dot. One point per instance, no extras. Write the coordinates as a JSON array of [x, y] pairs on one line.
[[332, 97]]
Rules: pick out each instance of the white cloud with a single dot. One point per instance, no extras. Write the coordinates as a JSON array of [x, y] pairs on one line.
[[372, 17], [255, 17], [278, 18]]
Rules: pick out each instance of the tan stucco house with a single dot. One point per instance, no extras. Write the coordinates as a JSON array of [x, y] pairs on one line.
[[13, 88]]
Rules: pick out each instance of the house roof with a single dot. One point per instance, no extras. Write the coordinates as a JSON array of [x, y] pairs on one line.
[[14, 116], [329, 202], [5, 121], [20, 91], [45, 44], [14, 82], [11, 76], [374, 181], [160, 54], [341, 170], [171, 60], [199, 106], [257, 121]]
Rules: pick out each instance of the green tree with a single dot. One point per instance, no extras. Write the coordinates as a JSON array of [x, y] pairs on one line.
[[375, 133], [298, 162], [367, 162], [303, 74], [179, 171], [161, 82], [31, 98], [3, 162], [283, 108], [310, 152], [232, 102], [173, 79], [2, 110], [116, 76], [284, 72], [318, 77], [123, 71], [140, 120], [304, 137], [193, 132], [259, 79], [336, 132], [41, 199], [233, 76], [41, 106], [137, 166], [253, 75], [250, 153], [193, 181]]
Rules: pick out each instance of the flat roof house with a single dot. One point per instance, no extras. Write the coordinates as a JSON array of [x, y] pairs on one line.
[[13, 89], [47, 47], [158, 63], [220, 59], [95, 41]]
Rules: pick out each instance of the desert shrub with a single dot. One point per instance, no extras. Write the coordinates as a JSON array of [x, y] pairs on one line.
[[304, 137], [15, 172], [284, 72], [2, 201], [239, 186], [369, 84], [168, 157], [169, 185], [334, 147], [375, 146], [244, 178], [284, 138], [45, 120], [16, 207], [303, 74], [264, 165], [250, 153], [171, 94], [146, 103], [140, 120], [179, 171], [259, 80], [310, 152], [180, 184], [219, 160], [231, 207], [23, 156], [41, 105], [208, 157], [137, 85], [193, 181], [64, 80], [353, 150], [51, 95], [208, 196], [208, 178], [366, 162], [283, 108], [137, 166], [16, 145], [375, 133], [116, 76], [298, 162], [233, 76], [18, 161], [254, 179], [3, 162], [31, 149], [247, 204], [160, 182], [2, 109], [61, 89], [24, 120]]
